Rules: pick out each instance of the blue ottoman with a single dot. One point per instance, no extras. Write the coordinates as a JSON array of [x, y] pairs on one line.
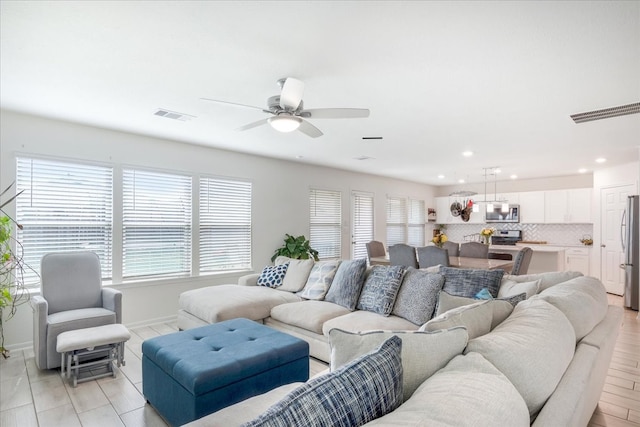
[[189, 374]]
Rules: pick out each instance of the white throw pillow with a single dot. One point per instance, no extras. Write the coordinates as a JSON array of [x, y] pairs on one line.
[[547, 280], [423, 353], [501, 309], [510, 288], [297, 273]]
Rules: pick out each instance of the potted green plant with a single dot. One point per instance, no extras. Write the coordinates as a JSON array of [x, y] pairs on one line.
[[296, 248], [12, 290]]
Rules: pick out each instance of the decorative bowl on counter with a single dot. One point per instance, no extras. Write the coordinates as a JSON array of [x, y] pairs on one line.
[[586, 240]]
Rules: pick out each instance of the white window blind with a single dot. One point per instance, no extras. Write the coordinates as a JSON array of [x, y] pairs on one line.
[[325, 208], [396, 220], [362, 223], [64, 207], [156, 220], [225, 224], [416, 222]]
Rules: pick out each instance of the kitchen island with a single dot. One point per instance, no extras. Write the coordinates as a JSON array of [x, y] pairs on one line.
[[545, 257]]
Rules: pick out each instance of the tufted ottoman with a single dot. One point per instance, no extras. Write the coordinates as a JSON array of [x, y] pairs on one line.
[[189, 374]]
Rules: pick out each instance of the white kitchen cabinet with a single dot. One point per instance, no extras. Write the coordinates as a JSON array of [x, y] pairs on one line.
[[568, 206], [532, 205], [577, 259]]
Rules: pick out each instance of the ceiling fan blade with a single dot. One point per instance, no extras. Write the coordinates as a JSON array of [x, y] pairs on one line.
[[253, 125], [235, 104], [309, 129], [291, 94], [335, 113]]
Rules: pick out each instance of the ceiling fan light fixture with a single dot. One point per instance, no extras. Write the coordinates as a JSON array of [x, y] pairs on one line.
[[285, 123]]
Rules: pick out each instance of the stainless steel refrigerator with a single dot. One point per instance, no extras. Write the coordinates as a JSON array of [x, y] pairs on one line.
[[630, 230]]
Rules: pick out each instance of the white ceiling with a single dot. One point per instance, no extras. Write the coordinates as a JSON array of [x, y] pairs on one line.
[[497, 78]]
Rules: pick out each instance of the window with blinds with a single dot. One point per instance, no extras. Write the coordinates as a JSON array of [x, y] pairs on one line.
[[325, 223], [225, 224], [156, 224], [416, 223], [362, 223], [396, 220], [64, 207]]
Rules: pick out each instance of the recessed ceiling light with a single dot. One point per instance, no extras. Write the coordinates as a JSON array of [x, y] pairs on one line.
[[461, 181], [601, 160], [440, 176], [497, 171], [514, 176], [582, 170], [467, 153]]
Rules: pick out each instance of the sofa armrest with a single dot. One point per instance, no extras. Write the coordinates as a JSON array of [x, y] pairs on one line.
[[249, 280], [112, 300], [40, 308]]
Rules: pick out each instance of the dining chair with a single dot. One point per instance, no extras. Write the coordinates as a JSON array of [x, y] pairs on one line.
[[430, 256], [474, 250], [401, 254], [522, 261], [452, 247], [495, 255], [72, 297], [375, 249]]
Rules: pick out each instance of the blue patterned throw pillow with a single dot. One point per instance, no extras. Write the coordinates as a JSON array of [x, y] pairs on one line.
[[272, 275], [355, 394], [468, 282], [346, 286], [418, 295], [381, 288]]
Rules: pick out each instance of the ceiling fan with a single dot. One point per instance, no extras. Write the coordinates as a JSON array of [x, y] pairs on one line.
[[288, 113]]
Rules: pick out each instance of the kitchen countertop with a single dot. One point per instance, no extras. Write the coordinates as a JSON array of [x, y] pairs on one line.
[[536, 247]]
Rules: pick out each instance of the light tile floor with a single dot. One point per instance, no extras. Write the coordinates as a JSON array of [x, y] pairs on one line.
[[30, 397]]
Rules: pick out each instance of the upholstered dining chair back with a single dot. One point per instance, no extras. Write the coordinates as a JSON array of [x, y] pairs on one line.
[[429, 256], [522, 261], [401, 254], [72, 297], [375, 249], [474, 250], [452, 247]]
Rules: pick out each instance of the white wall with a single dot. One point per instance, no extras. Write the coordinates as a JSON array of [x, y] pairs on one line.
[[280, 197], [520, 185], [610, 177]]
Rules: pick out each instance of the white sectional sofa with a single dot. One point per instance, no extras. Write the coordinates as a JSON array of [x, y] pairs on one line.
[[542, 363]]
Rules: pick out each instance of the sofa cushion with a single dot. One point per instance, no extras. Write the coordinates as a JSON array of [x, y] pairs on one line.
[[547, 279], [272, 275], [346, 286], [423, 353], [468, 282], [381, 288], [511, 287], [583, 300], [309, 315], [297, 273], [418, 295], [361, 320], [319, 280], [469, 391], [500, 310], [476, 318], [532, 347], [223, 302], [332, 399]]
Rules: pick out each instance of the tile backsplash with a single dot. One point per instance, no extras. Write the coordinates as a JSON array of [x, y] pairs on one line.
[[553, 234]]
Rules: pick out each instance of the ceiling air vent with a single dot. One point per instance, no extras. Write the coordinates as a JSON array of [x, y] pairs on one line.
[[606, 113], [163, 112]]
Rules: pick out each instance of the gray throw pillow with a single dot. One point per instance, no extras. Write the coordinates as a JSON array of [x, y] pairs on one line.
[[418, 295], [365, 389], [346, 286], [468, 282], [381, 288]]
